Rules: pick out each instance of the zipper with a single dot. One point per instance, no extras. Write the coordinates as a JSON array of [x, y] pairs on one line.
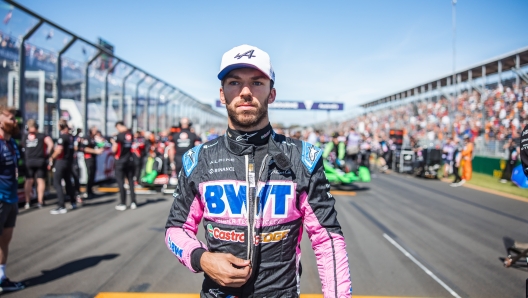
[[250, 182], [253, 201]]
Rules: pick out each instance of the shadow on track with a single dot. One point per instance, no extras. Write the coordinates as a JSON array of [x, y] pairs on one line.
[[351, 187], [93, 204], [67, 269], [151, 201]]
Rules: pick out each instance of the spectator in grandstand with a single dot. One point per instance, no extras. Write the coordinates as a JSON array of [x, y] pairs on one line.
[[124, 165], [9, 156], [62, 158], [37, 149]]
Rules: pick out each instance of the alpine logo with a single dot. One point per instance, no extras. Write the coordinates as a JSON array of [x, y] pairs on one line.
[[313, 152], [248, 54], [190, 154]]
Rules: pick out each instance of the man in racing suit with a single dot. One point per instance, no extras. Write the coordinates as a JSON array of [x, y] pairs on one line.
[[255, 191]]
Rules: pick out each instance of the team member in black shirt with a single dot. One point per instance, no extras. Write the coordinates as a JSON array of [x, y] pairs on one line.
[[124, 164], [183, 141], [63, 157], [87, 146], [37, 148]]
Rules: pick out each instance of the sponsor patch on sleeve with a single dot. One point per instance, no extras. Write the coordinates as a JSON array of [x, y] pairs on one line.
[[190, 159], [310, 155]]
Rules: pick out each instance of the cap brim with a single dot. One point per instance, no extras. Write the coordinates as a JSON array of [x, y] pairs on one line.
[[231, 67]]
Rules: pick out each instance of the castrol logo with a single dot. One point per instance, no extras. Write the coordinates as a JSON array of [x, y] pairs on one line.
[[233, 236]]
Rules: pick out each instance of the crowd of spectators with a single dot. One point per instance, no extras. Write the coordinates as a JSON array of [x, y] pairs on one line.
[[497, 115]]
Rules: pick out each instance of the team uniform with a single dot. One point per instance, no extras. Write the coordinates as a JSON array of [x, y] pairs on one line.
[[183, 142], [9, 157], [125, 165], [35, 150], [255, 192], [523, 144], [90, 161], [63, 170]]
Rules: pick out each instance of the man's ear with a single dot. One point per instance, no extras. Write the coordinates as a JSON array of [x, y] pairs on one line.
[[222, 96], [272, 96]]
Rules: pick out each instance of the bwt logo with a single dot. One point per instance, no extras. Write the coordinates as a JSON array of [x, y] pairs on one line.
[[229, 198], [175, 249]]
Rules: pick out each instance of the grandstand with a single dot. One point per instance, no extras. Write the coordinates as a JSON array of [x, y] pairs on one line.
[[488, 101], [45, 84]]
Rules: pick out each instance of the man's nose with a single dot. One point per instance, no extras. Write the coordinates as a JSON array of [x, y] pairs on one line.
[[245, 92]]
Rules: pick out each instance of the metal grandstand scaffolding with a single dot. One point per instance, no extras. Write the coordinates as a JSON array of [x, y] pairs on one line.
[[116, 98]]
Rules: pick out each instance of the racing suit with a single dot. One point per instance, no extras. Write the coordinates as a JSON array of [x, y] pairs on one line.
[[255, 193]]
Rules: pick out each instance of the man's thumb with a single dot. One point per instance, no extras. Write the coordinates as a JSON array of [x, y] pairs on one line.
[[237, 261]]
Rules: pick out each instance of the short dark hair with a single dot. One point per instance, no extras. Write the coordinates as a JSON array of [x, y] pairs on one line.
[[120, 123], [63, 124]]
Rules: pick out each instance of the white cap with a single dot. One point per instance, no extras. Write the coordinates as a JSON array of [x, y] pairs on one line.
[[246, 56]]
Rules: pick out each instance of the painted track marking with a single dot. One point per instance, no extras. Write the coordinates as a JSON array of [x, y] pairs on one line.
[[410, 256], [343, 193], [167, 295]]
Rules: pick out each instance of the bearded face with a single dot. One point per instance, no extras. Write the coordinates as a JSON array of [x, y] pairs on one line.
[[8, 124], [250, 117], [246, 92]]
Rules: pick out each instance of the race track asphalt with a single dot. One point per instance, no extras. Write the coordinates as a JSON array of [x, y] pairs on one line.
[[405, 237]]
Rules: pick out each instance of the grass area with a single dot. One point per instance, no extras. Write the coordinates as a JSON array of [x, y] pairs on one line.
[[491, 182]]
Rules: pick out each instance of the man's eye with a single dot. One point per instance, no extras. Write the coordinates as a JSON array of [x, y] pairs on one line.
[[257, 83], [233, 83]]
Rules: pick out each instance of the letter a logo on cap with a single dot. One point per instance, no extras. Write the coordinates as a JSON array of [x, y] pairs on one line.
[[249, 54], [256, 58]]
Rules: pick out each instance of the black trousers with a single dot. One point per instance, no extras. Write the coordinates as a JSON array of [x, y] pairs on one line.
[[138, 162], [91, 167], [455, 172], [178, 161], [63, 171], [122, 170], [75, 175], [507, 173]]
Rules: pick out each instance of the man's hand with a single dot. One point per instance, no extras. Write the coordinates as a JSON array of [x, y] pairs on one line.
[[226, 269]]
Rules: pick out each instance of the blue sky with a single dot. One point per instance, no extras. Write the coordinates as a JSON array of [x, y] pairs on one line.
[[346, 51]]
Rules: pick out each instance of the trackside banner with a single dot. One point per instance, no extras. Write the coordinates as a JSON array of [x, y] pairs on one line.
[[300, 105]]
